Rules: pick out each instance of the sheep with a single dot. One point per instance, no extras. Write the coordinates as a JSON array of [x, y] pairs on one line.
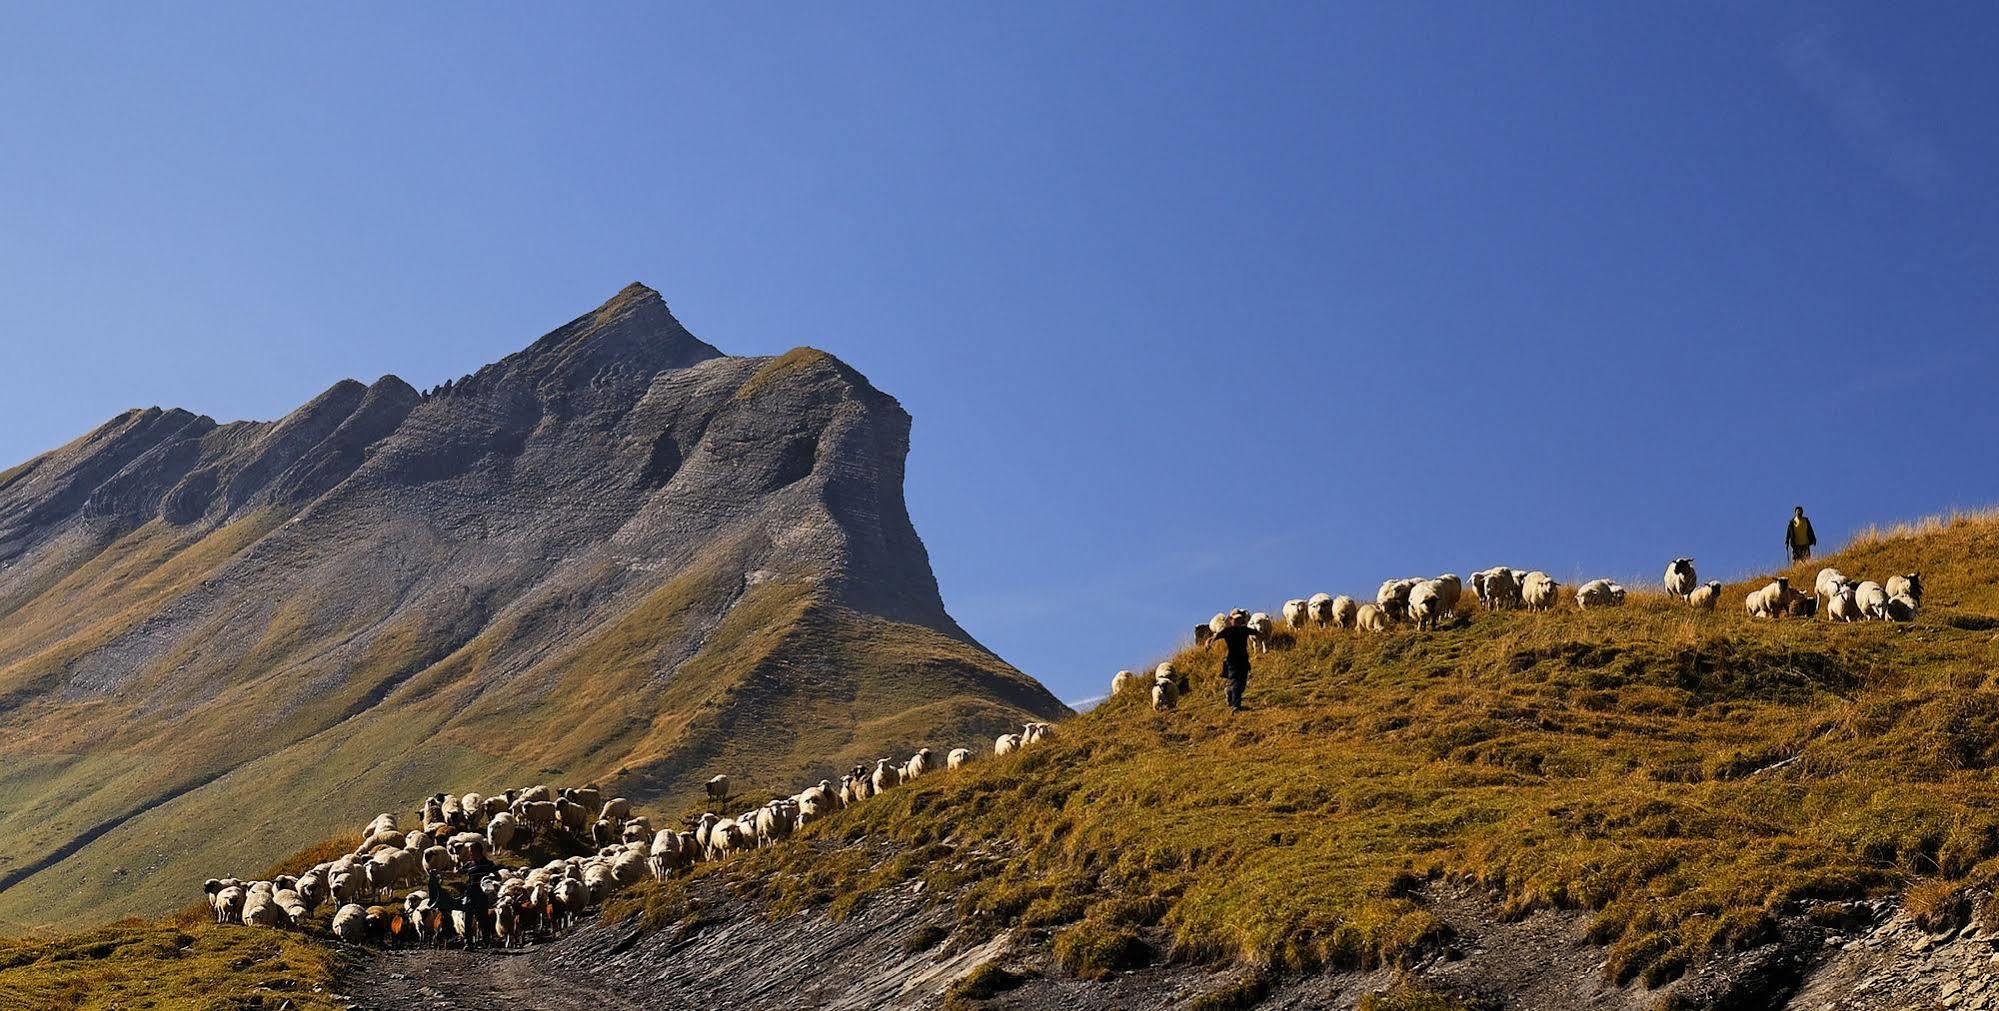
[[1320, 607], [1539, 591], [957, 758], [386, 837], [1902, 607], [1346, 610], [1799, 604], [1167, 669], [1122, 680], [1262, 625], [1599, 593], [1873, 599], [1705, 595], [1449, 589], [1767, 602], [920, 764], [1423, 605], [1844, 606], [537, 816], [1006, 744], [1502, 588], [887, 776], [1165, 693], [384, 822], [350, 923], [312, 888], [344, 886], [1393, 597], [1035, 733], [718, 788], [1296, 613], [1908, 585], [1371, 618], [533, 793], [290, 905], [437, 860], [1680, 577], [1828, 582], [591, 798], [474, 807], [572, 816], [226, 899], [501, 830], [1215, 625], [260, 909], [432, 812]]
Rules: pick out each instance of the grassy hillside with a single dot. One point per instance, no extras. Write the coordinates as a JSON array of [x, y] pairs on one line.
[[1688, 779]]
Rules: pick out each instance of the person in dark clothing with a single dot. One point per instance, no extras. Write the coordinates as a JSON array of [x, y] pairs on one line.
[[1235, 665], [473, 902], [1799, 537]]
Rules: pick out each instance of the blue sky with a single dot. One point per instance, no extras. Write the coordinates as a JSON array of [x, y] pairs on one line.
[[1194, 305]]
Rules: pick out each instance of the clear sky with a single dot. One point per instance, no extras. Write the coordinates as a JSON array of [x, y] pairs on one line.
[[1194, 305]]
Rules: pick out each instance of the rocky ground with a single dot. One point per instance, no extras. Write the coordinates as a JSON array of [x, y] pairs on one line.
[[900, 951]]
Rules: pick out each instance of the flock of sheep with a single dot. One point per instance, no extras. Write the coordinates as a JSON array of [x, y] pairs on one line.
[[529, 900], [1426, 603]]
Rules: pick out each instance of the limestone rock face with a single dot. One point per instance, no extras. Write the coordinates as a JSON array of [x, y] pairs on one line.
[[618, 555]]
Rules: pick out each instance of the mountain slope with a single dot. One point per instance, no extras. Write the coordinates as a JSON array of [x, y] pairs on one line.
[[1720, 801], [617, 554]]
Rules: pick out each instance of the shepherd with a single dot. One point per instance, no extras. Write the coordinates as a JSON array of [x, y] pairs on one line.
[[1235, 665], [1798, 536]]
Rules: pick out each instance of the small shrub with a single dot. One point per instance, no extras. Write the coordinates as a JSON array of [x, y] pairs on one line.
[[1094, 951]]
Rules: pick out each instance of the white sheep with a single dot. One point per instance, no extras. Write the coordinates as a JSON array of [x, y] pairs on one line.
[[1296, 613], [1393, 598], [350, 923], [1371, 618], [1261, 624], [1908, 585], [1680, 580], [1769, 601], [1873, 599], [1167, 669], [957, 758], [1501, 588], [1539, 591], [1599, 593], [886, 775], [1449, 589], [1122, 680], [1705, 596], [1320, 607], [1844, 606], [1035, 733], [1217, 623], [1165, 693], [920, 764], [1346, 611], [1006, 744], [501, 831], [1828, 583], [1424, 605]]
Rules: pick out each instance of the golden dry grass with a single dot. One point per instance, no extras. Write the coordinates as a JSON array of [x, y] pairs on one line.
[[1687, 779]]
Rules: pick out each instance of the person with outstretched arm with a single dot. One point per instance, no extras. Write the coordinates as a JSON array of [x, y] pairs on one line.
[[1235, 664]]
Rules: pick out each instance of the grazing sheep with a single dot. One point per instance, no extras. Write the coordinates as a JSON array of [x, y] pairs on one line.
[[1035, 733], [227, 902], [1262, 625], [1167, 669], [1393, 598], [1424, 606], [1165, 693], [350, 923], [1449, 589], [1345, 611], [1844, 606], [260, 909], [957, 758], [1320, 607], [290, 905], [1371, 618], [1873, 599], [1599, 593], [1828, 582], [718, 788], [1122, 680], [1902, 607], [1680, 577], [1705, 596], [1006, 744], [1296, 613], [1539, 591], [920, 764], [1768, 602], [1909, 585], [474, 807]]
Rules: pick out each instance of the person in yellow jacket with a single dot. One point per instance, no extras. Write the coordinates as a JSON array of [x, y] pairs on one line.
[[1798, 536]]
